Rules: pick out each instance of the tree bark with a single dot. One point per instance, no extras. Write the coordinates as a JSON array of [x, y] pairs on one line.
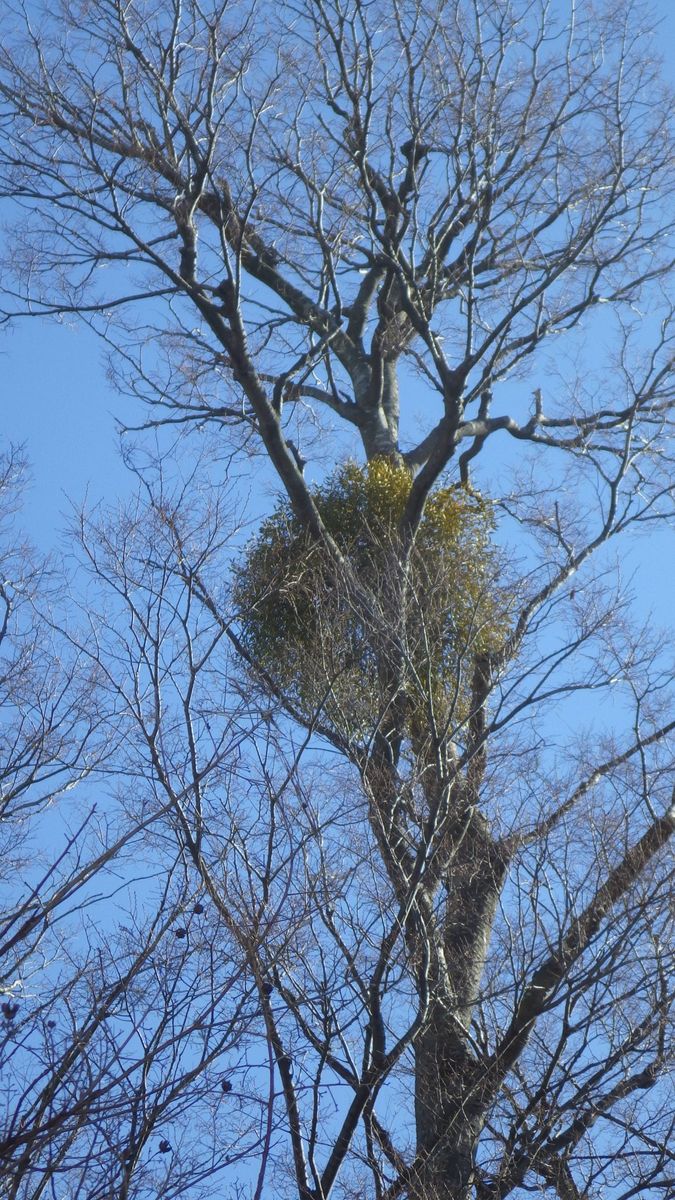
[[449, 1108], [448, 1122]]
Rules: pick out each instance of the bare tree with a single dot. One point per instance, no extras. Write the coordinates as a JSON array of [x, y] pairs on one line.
[[378, 220], [48, 742], [123, 1034]]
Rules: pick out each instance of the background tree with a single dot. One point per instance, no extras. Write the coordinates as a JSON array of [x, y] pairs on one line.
[[48, 742], [113, 1028], [376, 220]]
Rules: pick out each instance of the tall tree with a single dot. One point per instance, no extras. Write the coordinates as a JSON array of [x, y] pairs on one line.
[[371, 223]]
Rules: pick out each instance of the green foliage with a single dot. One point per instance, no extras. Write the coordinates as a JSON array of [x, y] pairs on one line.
[[419, 629]]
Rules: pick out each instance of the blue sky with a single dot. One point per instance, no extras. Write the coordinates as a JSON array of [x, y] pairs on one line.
[[57, 401]]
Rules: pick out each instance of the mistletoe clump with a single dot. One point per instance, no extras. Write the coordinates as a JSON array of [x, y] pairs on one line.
[[326, 643]]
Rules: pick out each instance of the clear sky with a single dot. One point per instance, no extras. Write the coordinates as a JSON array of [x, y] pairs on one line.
[[57, 401]]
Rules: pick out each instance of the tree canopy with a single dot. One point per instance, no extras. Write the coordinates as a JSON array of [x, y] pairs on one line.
[[384, 788]]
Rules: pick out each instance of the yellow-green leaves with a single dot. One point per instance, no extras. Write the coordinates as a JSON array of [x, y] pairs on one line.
[[412, 627]]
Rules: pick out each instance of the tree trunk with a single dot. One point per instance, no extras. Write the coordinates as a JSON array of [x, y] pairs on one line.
[[449, 1110], [448, 1122]]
